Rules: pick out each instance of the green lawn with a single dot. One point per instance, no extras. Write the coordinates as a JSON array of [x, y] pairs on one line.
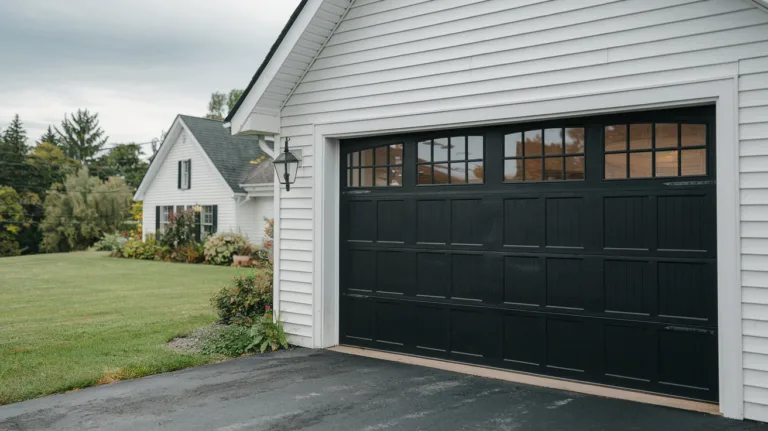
[[73, 320]]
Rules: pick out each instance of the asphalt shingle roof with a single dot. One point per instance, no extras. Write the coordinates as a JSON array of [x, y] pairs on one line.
[[232, 155]]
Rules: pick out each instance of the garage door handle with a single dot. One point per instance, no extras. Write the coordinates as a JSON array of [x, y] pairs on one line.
[[354, 295], [690, 330], [357, 192]]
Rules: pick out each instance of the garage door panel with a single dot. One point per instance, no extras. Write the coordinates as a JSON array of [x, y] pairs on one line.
[[391, 220], [569, 344], [565, 225], [626, 222], [524, 341], [602, 277], [628, 287], [681, 364], [433, 275], [475, 333], [524, 280], [469, 222], [686, 291], [395, 272], [629, 352], [362, 221], [683, 223], [524, 222], [431, 331], [565, 281], [362, 270], [433, 222]]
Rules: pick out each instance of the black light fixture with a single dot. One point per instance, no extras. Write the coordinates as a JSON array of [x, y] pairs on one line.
[[286, 166]]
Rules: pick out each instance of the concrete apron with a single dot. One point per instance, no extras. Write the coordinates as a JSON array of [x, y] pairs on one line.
[[533, 380]]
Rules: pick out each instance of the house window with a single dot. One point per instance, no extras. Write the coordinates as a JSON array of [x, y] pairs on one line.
[[185, 174], [206, 220], [554, 154], [454, 160], [376, 167], [166, 213], [655, 150]]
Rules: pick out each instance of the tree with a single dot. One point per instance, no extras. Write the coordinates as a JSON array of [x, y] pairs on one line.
[[81, 210], [14, 172], [49, 166], [50, 137], [123, 160], [80, 135], [220, 102], [12, 219]]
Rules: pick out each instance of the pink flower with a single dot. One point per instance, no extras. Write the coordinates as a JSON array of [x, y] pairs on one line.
[[267, 308]]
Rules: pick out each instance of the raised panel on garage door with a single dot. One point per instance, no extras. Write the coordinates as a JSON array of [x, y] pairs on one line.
[[580, 249]]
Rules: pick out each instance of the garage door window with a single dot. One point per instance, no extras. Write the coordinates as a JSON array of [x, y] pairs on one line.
[[454, 160], [554, 154], [655, 150], [381, 166]]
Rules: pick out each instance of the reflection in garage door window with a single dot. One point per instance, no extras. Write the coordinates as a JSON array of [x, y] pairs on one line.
[[452, 160], [376, 167], [659, 150], [554, 154]]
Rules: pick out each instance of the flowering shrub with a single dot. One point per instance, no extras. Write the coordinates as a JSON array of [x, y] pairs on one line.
[[219, 249], [245, 298], [181, 229]]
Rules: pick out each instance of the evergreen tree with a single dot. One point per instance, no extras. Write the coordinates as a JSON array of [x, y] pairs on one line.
[[124, 160], [80, 135], [49, 136], [14, 171]]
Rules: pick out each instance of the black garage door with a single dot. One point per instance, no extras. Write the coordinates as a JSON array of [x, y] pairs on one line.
[[582, 248]]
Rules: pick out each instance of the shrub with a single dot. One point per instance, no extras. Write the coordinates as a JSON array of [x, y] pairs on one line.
[[229, 341], [245, 298], [180, 230], [267, 334], [113, 242], [236, 340], [188, 253], [12, 219], [220, 248], [147, 250]]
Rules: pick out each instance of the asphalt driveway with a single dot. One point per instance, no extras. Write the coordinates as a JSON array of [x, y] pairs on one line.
[[323, 390]]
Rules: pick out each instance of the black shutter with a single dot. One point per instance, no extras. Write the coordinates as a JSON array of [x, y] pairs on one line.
[[189, 173], [215, 218], [157, 219], [179, 175], [198, 226]]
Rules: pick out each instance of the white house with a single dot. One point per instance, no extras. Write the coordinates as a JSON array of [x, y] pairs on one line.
[[570, 188], [200, 164]]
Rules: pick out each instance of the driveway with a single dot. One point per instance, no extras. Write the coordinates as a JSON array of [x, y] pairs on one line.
[[323, 390]]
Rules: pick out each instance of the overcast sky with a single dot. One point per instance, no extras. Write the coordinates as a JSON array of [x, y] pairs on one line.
[[137, 63]]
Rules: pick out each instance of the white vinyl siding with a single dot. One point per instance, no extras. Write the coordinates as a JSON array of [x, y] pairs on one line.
[[208, 187], [444, 62], [753, 119], [250, 217]]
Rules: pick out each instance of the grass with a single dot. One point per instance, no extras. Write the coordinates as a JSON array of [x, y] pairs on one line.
[[74, 320]]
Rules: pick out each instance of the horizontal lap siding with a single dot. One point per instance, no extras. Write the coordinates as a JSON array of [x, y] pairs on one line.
[[208, 187], [414, 58], [753, 119]]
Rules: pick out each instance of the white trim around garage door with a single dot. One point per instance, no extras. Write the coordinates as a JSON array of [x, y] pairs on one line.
[[720, 90]]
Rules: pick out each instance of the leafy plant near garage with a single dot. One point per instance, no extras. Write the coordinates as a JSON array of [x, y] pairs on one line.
[[236, 340], [245, 298], [267, 333]]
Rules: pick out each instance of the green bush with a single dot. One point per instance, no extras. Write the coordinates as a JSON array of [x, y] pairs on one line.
[[267, 334], [236, 340], [180, 230], [228, 341], [113, 242], [220, 248], [188, 253], [245, 298], [136, 249]]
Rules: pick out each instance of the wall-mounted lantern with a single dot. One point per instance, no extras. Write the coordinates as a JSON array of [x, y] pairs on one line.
[[286, 166]]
